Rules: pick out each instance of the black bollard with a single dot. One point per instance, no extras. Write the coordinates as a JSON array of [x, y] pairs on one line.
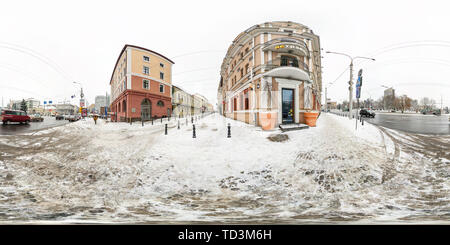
[[178, 124], [165, 130], [192, 120], [168, 119], [131, 122], [161, 119], [193, 131], [362, 122], [142, 120], [152, 121], [229, 131]]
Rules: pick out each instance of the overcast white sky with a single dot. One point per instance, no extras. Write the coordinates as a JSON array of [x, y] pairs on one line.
[[46, 45]]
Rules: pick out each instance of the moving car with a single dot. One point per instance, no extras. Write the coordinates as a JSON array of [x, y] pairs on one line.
[[59, 117], [36, 118], [72, 118], [367, 113], [14, 116]]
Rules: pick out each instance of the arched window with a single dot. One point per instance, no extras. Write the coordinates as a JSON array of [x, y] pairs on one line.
[[160, 103], [124, 106]]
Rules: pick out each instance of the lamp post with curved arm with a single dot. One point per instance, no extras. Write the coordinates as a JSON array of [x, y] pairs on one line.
[[350, 88]]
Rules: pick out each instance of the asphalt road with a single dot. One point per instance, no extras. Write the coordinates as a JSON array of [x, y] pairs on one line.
[[413, 123], [16, 128]]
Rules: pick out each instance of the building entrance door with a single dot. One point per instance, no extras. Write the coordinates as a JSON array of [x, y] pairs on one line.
[[146, 109], [287, 105]]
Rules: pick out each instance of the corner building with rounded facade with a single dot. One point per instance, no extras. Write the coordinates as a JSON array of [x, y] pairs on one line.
[[141, 85], [272, 71]]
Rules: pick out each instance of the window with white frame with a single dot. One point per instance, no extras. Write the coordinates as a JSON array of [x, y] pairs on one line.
[[146, 84], [146, 59], [161, 88], [161, 75], [146, 70], [161, 64]]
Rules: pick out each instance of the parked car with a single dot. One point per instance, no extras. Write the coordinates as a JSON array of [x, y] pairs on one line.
[[367, 113], [14, 116], [59, 117], [36, 118]]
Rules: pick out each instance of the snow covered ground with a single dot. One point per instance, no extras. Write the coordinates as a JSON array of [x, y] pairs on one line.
[[117, 172]]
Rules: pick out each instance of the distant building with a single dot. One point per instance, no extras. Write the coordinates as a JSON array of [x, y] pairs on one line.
[[66, 109], [332, 105], [181, 102], [389, 99], [199, 104], [101, 101]]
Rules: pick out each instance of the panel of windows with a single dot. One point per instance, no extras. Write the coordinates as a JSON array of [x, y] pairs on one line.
[[146, 84], [146, 70], [161, 88]]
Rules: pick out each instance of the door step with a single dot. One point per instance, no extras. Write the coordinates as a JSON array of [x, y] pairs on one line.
[[293, 126]]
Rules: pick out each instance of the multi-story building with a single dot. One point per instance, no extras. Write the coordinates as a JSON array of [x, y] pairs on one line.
[[141, 85], [31, 103], [271, 70], [181, 102], [199, 104], [66, 109], [101, 101]]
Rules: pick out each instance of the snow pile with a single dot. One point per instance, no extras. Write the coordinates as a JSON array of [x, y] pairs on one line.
[[117, 172]]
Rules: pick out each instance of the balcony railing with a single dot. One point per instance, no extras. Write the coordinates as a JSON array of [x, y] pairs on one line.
[[279, 62]]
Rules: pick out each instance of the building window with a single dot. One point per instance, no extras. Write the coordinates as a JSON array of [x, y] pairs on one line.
[[234, 104], [146, 70], [146, 59], [160, 103], [146, 84], [289, 61], [124, 105], [161, 64], [161, 88], [246, 99], [161, 75]]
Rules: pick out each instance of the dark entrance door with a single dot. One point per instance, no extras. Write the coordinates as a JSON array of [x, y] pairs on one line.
[[287, 105], [146, 109]]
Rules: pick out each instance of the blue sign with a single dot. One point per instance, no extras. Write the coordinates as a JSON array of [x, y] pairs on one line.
[[50, 102], [359, 84], [45, 102]]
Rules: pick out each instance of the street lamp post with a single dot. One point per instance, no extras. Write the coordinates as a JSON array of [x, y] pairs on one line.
[[350, 88]]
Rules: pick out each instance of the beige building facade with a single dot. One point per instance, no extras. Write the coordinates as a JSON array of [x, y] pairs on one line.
[[272, 71]]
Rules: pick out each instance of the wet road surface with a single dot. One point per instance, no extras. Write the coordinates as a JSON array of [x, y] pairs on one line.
[[413, 123], [17, 128]]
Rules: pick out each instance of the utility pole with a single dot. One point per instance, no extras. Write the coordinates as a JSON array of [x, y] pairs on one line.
[[351, 79]]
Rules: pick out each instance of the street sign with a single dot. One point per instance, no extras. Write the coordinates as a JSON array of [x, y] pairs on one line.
[[359, 84], [50, 102], [45, 102]]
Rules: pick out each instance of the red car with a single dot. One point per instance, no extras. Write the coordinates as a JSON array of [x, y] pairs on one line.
[[14, 116]]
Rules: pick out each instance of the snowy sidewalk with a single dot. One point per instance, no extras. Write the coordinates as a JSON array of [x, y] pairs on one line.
[[117, 172]]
